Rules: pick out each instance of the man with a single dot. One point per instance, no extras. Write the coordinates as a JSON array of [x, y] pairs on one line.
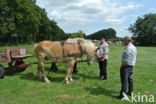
[[102, 58], [53, 67], [75, 68], [126, 68]]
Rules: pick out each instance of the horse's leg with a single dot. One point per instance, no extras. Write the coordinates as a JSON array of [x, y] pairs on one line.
[[70, 65], [71, 71], [67, 74], [41, 71], [39, 74]]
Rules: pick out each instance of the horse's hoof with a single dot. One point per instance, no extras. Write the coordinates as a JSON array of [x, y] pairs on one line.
[[47, 81], [71, 80], [67, 82]]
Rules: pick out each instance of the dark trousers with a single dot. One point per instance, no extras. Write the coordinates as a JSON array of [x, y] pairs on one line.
[[126, 78], [103, 68], [75, 68], [53, 67]]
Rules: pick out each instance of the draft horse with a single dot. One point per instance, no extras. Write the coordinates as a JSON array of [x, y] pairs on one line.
[[68, 51]]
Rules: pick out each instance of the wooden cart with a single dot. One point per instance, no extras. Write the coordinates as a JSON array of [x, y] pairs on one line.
[[14, 58]]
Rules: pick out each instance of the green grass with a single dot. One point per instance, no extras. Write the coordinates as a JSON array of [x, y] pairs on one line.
[[23, 88]]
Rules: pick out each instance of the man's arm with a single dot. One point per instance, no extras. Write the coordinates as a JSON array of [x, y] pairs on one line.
[[124, 64], [126, 59], [101, 58], [106, 51]]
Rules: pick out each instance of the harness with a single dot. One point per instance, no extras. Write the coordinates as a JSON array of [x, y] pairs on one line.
[[79, 54]]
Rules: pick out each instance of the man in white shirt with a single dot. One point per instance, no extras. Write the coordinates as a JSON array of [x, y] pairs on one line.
[[126, 70], [102, 58]]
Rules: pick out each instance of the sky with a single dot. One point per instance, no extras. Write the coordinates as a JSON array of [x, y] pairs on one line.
[[91, 16]]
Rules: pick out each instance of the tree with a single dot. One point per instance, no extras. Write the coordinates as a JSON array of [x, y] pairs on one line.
[[7, 25], [23, 21], [144, 29], [79, 34], [106, 33]]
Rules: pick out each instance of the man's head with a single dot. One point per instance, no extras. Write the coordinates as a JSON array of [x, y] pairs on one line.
[[102, 40], [127, 40]]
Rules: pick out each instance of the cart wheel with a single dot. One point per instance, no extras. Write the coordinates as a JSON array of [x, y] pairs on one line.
[[18, 63], [2, 72]]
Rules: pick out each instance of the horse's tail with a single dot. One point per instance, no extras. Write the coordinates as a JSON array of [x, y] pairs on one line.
[[35, 45], [34, 53]]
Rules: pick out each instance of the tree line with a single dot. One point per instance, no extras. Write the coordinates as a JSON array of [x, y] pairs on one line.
[[24, 21]]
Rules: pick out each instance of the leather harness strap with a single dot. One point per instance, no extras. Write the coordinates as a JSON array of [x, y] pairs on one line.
[[62, 43], [79, 54]]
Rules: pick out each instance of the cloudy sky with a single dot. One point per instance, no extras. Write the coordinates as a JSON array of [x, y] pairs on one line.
[[93, 15]]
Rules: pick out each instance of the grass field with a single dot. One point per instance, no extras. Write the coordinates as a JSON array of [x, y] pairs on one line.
[[23, 88]]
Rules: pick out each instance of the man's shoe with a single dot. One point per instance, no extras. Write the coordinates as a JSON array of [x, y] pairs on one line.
[[100, 77], [120, 97], [104, 78], [130, 93], [75, 71]]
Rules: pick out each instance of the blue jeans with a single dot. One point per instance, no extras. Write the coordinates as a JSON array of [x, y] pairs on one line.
[[126, 78]]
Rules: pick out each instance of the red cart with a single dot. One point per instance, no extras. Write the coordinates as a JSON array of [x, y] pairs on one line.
[[14, 58]]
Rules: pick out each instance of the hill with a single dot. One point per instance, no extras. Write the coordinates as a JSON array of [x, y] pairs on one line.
[[106, 33]]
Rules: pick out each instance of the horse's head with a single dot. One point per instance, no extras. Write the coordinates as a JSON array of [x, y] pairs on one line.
[[89, 49], [87, 46], [92, 55]]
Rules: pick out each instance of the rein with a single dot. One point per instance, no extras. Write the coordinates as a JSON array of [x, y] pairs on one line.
[[82, 60]]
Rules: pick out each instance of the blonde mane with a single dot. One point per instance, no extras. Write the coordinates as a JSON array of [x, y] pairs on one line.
[[88, 46]]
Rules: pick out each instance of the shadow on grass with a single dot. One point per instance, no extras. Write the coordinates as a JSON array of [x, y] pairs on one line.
[[29, 76], [86, 76], [56, 79], [52, 76], [60, 70], [102, 91], [13, 72], [75, 76]]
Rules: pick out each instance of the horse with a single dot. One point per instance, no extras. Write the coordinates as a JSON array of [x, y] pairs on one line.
[[69, 51]]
